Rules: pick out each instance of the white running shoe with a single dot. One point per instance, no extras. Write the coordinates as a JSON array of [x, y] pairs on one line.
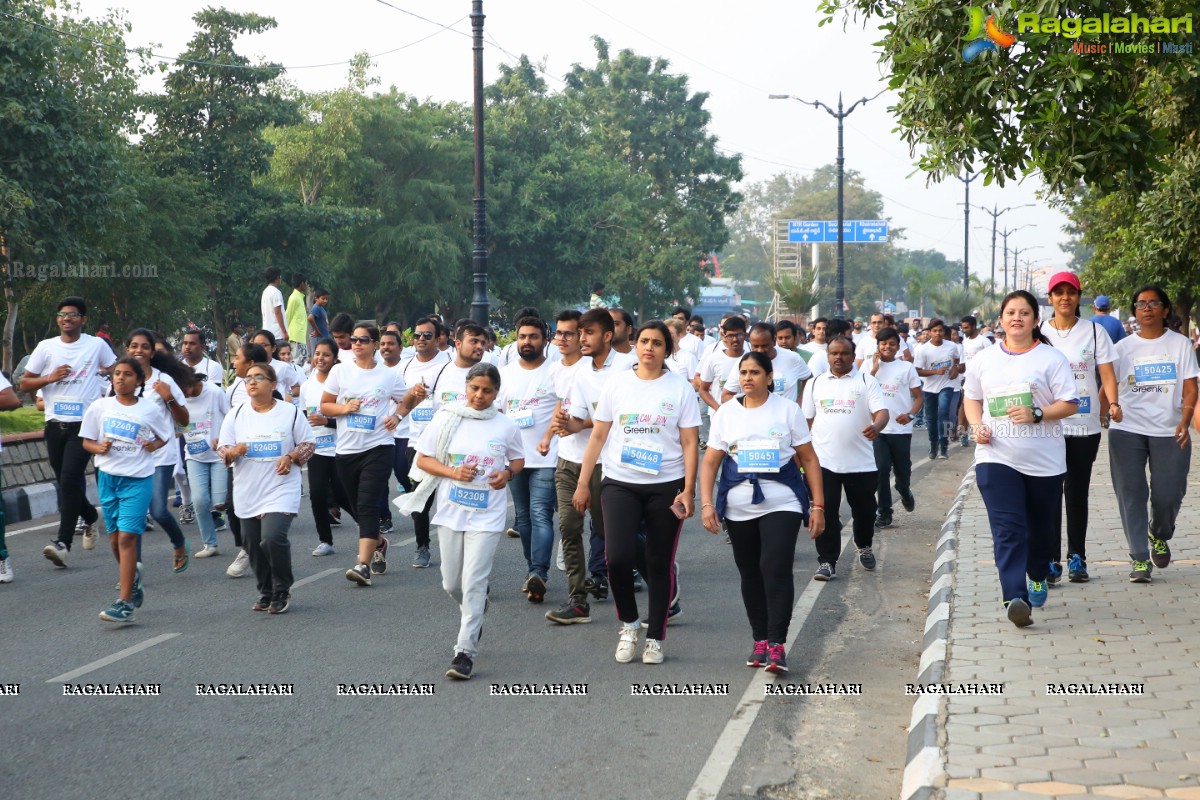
[[89, 536], [57, 553], [323, 549], [239, 566], [627, 643], [653, 653], [6, 571], [208, 551], [562, 565]]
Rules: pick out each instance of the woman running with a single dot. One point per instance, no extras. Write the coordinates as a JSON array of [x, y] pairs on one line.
[[1156, 400], [207, 406], [763, 499], [646, 430], [471, 453], [324, 485], [123, 431], [243, 358], [265, 441], [1016, 394]]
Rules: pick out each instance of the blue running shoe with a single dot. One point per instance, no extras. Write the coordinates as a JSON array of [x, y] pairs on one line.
[[120, 611], [1055, 573], [1077, 569], [139, 594], [1037, 593]]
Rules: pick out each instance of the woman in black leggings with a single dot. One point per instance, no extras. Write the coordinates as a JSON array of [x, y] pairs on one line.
[[646, 432], [762, 497], [324, 484]]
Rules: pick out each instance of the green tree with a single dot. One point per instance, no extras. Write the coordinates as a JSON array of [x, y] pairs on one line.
[[920, 285], [799, 296]]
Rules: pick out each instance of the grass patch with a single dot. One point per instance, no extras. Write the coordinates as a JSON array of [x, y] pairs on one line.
[[26, 419]]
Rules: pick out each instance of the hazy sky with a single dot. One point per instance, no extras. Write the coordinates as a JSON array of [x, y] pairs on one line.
[[737, 52]]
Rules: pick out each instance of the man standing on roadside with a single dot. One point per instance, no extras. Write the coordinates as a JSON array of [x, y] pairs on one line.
[[1116, 331], [297, 319], [597, 300], [67, 370], [271, 305]]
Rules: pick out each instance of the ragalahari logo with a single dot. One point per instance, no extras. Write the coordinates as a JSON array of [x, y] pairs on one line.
[[984, 36]]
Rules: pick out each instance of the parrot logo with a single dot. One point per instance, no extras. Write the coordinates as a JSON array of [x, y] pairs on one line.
[[983, 36]]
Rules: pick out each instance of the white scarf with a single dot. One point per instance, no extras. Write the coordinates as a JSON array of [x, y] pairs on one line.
[[414, 501]]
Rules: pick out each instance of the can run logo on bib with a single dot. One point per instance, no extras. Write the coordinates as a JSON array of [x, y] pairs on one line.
[[666, 408], [777, 433], [495, 447]]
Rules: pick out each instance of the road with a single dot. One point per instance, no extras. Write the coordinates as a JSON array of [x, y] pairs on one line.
[[197, 628]]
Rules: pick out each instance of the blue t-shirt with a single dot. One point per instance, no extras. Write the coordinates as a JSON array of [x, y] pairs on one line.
[[1116, 331], [321, 320]]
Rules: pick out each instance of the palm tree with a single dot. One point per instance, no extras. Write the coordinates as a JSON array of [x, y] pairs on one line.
[[955, 302], [798, 296], [919, 284]]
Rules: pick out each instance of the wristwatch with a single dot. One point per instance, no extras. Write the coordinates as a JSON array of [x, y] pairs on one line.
[[1037, 414]]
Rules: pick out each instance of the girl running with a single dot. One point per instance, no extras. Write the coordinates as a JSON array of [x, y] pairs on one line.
[[324, 485]]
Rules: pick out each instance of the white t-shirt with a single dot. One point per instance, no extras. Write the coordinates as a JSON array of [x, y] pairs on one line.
[[236, 392], [527, 398], [715, 369], [864, 349], [691, 343], [405, 427], [957, 381], [587, 384], [572, 447], [778, 422], [787, 370], [449, 386], [129, 427], [412, 372], [643, 443], [683, 363], [941, 356], [271, 299], [1150, 376], [897, 378], [348, 355], [491, 444], [288, 375], [376, 389], [257, 488], [1085, 346], [206, 412], [819, 363], [972, 347], [211, 370], [166, 456], [510, 354], [839, 409], [66, 400], [1039, 377], [310, 403]]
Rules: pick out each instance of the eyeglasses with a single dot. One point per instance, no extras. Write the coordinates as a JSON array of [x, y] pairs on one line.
[[1141, 305], [258, 379], [361, 340], [420, 335], [565, 334], [68, 315]]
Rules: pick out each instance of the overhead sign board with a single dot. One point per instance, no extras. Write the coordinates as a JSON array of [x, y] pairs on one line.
[[858, 231]]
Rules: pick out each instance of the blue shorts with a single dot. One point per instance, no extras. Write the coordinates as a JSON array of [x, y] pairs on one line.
[[125, 501]]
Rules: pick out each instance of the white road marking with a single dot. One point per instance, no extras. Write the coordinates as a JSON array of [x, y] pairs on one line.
[[66, 677], [12, 533]]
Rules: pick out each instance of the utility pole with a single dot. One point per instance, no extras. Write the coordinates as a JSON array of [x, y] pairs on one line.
[[479, 257], [967, 229], [1005, 233], [995, 215]]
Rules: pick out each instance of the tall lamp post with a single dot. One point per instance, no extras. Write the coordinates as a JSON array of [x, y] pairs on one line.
[[994, 214], [1006, 233], [839, 115], [967, 229], [479, 258]]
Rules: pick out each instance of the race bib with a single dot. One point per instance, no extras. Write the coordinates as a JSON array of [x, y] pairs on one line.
[[326, 441], [468, 496], [523, 417], [779, 385], [264, 449], [68, 409], [758, 455], [1156, 370], [642, 456], [196, 442], [122, 430], [423, 412], [1085, 405], [941, 364], [360, 422], [1000, 400]]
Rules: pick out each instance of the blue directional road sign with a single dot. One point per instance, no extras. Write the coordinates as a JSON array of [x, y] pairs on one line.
[[875, 230], [855, 231], [806, 231]]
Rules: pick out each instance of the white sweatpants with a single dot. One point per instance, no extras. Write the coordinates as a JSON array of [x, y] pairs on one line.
[[466, 558]]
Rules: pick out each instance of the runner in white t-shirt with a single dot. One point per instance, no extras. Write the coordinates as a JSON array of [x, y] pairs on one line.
[[207, 406], [717, 364], [937, 363], [901, 388], [325, 489], [789, 371]]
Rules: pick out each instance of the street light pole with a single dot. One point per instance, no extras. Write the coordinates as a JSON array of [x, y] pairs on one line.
[[1005, 233], [479, 258], [996, 215], [839, 115], [967, 229]]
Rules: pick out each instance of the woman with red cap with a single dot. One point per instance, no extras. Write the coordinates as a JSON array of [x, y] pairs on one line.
[[1091, 353]]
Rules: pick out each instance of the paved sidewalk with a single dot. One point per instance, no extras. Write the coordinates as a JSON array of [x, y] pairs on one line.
[[1027, 743]]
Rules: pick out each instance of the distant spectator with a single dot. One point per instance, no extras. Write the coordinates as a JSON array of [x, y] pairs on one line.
[[1116, 331]]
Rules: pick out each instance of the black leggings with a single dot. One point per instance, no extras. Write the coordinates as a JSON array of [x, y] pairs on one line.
[[324, 485], [628, 507], [235, 522], [365, 475], [420, 518], [860, 494], [763, 549], [400, 470], [1081, 455], [68, 459]]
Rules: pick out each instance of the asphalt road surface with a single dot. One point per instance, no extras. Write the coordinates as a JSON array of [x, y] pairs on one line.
[[460, 739]]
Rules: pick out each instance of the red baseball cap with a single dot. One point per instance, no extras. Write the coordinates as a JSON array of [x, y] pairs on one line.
[[1064, 277]]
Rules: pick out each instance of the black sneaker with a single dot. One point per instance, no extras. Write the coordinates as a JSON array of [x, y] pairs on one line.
[[335, 516], [945, 453], [825, 572], [385, 525], [279, 604], [461, 667], [776, 660], [1077, 569], [1160, 552], [933, 454], [535, 588], [597, 587], [379, 560], [1018, 613], [571, 612], [906, 499], [1140, 572], [883, 521], [263, 603], [360, 574], [1054, 575], [866, 558], [758, 656], [637, 581]]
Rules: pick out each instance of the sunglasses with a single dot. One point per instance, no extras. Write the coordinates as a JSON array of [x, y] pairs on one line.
[[361, 340], [419, 335]]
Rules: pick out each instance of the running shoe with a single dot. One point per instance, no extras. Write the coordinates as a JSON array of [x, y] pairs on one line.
[[637, 581], [1037, 592], [1018, 613], [180, 563], [1160, 552], [149, 523], [866, 558], [139, 592], [513, 533], [597, 587], [964, 440], [758, 656], [219, 522], [933, 454], [385, 526], [89, 535], [559, 561], [56, 552], [626, 644], [379, 560], [335, 516], [777, 660], [178, 501], [6, 571], [1055, 573], [825, 572], [279, 603], [187, 515], [1140, 573], [945, 453], [421, 559], [239, 566], [208, 551], [536, 588], [906, 499], [119, 611], [461, 667], [525, 585], [360, 574], [652, 653], [1077, 569], [673, 614], [571, 612], [323, 549], [263, 603], [883, 521]]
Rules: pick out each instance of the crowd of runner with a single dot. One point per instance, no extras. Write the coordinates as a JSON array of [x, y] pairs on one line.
[[591, 418]]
